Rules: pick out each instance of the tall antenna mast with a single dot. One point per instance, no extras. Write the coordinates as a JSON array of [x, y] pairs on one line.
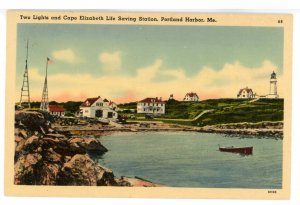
[[25, 86], [45, 102]]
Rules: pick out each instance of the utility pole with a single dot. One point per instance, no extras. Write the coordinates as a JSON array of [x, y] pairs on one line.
[[25, 94]]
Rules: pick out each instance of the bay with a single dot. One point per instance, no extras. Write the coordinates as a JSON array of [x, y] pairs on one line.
[[192, 159]]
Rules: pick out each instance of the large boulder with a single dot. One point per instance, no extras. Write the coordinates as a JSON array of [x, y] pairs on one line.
[[62, 146], [26, 169], [89, 144], [49, 173], [33, 121], [25, 146], [81, 170], [31, 169]]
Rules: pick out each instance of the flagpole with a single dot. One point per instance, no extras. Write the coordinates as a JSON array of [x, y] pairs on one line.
[[44, 102], [47, 67]]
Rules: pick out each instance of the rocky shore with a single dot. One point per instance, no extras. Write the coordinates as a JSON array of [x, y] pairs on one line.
[[46, 156], [260, 129]]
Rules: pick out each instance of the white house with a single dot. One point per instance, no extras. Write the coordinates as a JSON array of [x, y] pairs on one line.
[[57, 110], [98, 108], [151, 106], [245, 93], [191, 97], [110, 104]]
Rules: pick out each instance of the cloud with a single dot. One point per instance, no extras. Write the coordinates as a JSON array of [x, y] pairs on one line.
[[149, 72], [66, 55], [207, 82], [178, 74], [111, 62], [34, 74], [234, 76]]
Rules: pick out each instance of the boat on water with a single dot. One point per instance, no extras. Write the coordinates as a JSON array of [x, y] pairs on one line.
[[240, 150]]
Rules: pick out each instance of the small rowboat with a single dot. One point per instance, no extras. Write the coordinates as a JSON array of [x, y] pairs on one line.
[[240, 150]]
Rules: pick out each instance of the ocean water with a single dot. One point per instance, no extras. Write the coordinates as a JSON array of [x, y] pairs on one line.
[[192, 159]]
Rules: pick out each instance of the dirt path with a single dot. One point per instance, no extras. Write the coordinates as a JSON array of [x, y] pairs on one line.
[[187, 120]]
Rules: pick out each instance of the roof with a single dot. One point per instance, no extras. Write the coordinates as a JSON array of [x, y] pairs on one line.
[[56, 108], [247, 90], [191, 94], [111, 103], [152, 100], [273, 75], [89, 101], [105, 100]]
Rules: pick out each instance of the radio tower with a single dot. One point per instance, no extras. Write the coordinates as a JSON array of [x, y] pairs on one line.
[[44, 102], [25, 86]]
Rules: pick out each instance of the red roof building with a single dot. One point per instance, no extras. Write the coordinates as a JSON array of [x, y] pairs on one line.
[[153, 106], [57, 110], [152, 100], [89, 102]]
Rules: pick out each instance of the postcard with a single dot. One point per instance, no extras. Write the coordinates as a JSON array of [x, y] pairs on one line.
[[153, 105]]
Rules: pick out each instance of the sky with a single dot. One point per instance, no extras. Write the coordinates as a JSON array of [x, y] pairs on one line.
[[126, 63]]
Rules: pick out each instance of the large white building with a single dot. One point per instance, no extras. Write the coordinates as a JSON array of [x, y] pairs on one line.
[[245, 93], [98, 108], [191, 97], [151, 106]]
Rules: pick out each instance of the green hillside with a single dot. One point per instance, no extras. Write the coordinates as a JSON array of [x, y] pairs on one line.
[[224, 111]]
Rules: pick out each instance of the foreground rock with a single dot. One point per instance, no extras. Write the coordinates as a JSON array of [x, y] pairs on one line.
[[46, 157], [81, 170], [89, 144]]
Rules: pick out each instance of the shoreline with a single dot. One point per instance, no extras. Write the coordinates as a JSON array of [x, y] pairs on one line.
[[262, 129]]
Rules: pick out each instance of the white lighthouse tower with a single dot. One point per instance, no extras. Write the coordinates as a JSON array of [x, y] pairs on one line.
[[273, 86]]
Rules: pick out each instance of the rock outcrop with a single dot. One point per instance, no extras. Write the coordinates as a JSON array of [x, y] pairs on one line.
[[89, 144], [261, 129], [81, 170], [45, 157]]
